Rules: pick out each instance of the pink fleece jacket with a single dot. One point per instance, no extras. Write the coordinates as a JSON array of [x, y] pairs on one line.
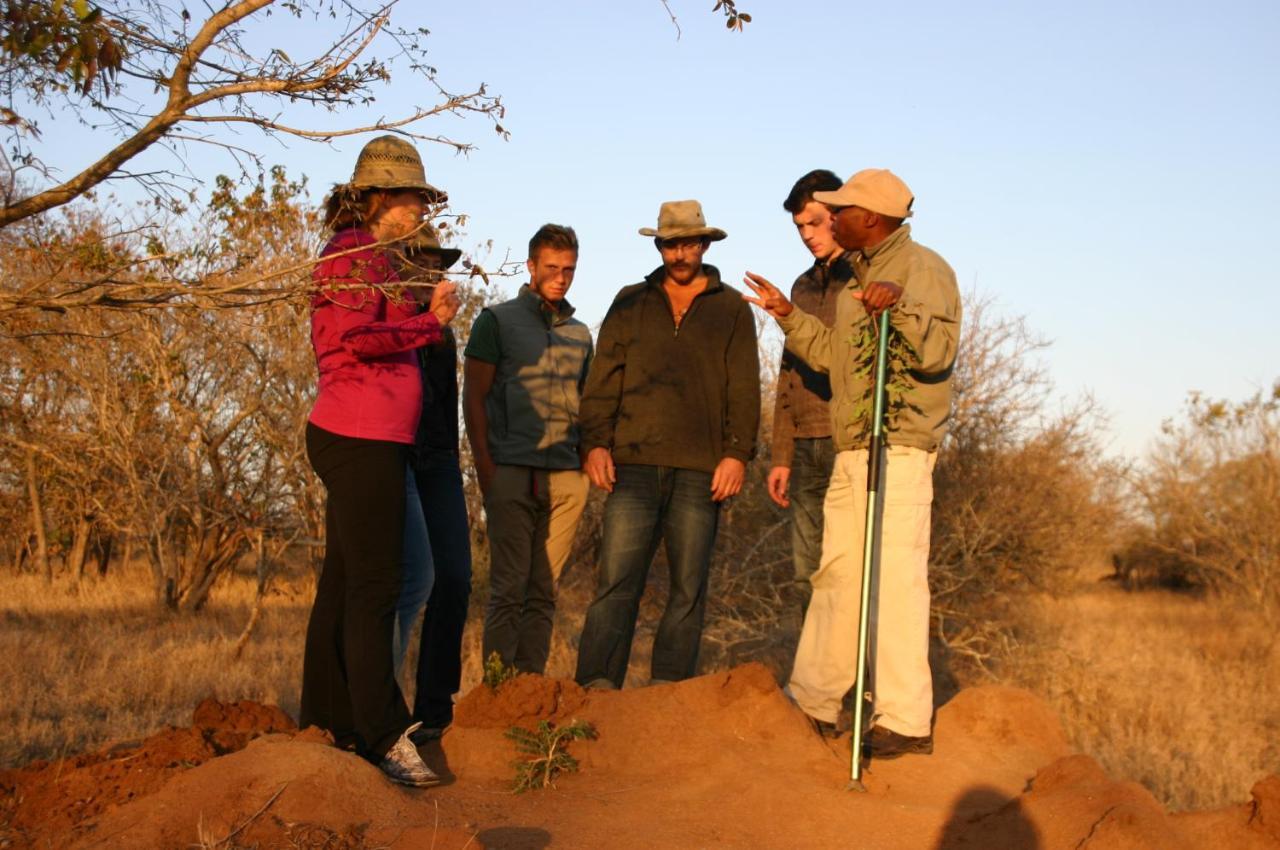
[[370, 385]]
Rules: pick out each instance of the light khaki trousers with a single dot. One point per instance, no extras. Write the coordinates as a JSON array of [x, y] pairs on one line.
[[826, 659], [532, 515]]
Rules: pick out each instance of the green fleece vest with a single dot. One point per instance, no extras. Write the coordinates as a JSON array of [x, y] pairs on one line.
[[533, 404]]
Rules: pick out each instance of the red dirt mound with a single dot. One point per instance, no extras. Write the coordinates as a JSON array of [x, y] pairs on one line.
[[231, 725], [521, 701], [278, 792], [53, 797], [723, 760]]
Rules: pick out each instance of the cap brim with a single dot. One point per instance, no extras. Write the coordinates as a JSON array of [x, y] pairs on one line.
[[839, 198], [834, 198]]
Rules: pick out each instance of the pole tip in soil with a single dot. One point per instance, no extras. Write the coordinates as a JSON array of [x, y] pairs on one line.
[[856, 785]]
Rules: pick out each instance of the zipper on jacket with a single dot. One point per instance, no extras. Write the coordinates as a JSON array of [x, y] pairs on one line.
[[676, 326]]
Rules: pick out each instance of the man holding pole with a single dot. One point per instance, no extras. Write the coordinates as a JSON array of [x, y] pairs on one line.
[[918, 288]]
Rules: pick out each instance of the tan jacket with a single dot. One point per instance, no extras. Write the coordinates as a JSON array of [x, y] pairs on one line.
[[927, 317]]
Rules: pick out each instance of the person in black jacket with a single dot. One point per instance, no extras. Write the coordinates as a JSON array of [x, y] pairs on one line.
[[438, 480], [668, 423]]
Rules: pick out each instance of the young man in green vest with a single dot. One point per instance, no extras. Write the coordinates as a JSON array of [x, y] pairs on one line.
[[526, 361], [894, 273]]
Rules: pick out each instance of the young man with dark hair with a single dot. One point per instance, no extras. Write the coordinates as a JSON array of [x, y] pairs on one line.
[[916, 286], [802, 453], [526, 362], [669, 422]]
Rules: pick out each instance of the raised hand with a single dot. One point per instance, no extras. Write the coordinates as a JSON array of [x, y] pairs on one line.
[[768, 297], [444, 302]]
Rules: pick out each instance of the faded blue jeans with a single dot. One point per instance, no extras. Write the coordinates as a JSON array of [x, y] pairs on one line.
[[650, 504], [417, 571], [811, 464], [440, 650]]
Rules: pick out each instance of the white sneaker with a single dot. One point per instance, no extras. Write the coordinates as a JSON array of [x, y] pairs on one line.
[[402, 763]]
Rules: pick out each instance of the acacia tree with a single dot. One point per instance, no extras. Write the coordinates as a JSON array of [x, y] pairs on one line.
[[181, 429], [151, 74], [1209, 503], [143, 74], [1021, 492]]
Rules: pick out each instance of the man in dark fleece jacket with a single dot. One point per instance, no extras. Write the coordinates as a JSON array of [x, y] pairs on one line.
[[668, 423]]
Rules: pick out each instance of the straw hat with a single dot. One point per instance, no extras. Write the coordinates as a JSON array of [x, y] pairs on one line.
[[389, 162], [425, 242], [680, 220], [876, 189]]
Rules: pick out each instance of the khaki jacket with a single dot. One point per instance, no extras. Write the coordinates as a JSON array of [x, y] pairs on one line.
[[927, 317]]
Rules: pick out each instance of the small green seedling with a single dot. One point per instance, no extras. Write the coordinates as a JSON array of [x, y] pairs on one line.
[[544, 753], [495, 672]]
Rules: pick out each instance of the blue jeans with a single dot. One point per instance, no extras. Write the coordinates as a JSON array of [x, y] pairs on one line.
[[649, 504], [440, 652], [417, 572], [811, 465]]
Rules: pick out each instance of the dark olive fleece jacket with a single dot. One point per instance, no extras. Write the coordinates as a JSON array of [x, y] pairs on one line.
[[662, 395]]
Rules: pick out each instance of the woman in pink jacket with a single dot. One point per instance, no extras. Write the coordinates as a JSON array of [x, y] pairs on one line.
[[365, 329]]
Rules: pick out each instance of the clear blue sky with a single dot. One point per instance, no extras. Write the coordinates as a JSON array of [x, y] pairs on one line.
[[1109, 170]]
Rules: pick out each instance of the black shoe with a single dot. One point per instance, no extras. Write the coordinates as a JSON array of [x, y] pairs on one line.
[[887, 744], [424, 735]]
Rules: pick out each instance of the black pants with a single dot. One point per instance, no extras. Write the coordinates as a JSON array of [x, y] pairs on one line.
[[440, 653], [348, 685]]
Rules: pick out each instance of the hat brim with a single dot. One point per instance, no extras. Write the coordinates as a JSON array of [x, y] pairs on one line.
[[448, 256], [715, 234], [432, 194]]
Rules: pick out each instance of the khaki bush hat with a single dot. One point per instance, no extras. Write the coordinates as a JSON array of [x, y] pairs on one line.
[[876, 189], [425, 242], [389, 162], [680, 220]]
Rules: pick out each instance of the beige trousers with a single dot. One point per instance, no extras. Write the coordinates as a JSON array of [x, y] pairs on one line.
[[532, 516], [826, 659]]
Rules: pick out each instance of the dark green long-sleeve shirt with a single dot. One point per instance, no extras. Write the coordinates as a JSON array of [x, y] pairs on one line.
[[683, 397]]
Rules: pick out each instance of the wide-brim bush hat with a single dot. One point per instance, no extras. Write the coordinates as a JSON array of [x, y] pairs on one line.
[[876, 189], [389, 162], [682, 220], [425, 242]]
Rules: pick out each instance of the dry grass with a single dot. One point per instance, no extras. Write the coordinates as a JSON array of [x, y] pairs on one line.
[[1179, 693], [82, 665]]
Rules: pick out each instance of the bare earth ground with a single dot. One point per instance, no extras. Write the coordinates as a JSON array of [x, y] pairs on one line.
[[719, 761], [1174, 692]]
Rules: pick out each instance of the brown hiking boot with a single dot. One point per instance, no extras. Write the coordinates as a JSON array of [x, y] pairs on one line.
[[887, 744]]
